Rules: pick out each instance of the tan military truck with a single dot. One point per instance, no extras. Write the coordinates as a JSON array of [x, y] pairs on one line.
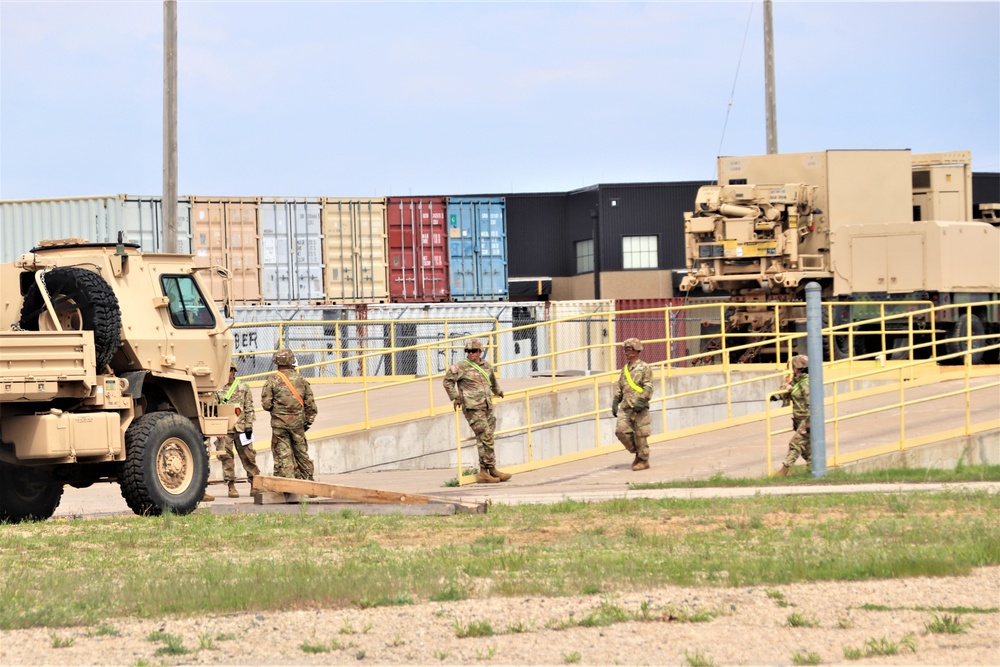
[[109, 360], [867, 225]]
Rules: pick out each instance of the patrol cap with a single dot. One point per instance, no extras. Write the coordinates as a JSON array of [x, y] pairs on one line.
[[800, 361], [284, 357], [633, 343], [232, 366], [473, 345]]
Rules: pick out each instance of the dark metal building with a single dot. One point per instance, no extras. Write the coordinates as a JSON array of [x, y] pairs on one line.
[[544, 228], [985, 190]]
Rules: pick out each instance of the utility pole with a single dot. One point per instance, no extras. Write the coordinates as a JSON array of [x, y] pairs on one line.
[[170, 125], [772, 113]]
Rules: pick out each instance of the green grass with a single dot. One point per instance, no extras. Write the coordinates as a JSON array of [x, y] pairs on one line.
[[797, 620], [806, 659], [698, 659], [475, 629], [881, 647], [71, 572], [946, 624], [800, 476]]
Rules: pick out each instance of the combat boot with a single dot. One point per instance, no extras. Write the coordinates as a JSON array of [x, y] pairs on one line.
[[233, 493], [207, 498], [783, 472], [641, 465], [484, 476], [502, 476]]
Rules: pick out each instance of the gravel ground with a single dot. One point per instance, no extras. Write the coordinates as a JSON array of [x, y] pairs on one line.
[[751, 629]]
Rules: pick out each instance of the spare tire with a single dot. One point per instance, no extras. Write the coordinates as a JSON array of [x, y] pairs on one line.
[[83, 301]]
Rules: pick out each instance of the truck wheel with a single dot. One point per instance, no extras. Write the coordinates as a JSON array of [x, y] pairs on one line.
[[26, 495], [954, 344], [84, 302], [166, 465]]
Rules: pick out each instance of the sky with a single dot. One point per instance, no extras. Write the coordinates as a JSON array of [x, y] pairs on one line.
[[344, 99]]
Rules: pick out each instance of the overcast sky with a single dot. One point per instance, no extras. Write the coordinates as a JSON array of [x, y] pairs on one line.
[[374, 99]]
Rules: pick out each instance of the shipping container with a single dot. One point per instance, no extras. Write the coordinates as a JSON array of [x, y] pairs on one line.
[[418, 249], [477, 248], [355, 250], [97, 219], [225, 233], [291, 250]]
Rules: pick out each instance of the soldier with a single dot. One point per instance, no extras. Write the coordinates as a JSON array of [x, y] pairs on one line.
[[240, 394], [289, 398], [632, 393], [797, 391], [471, 384]]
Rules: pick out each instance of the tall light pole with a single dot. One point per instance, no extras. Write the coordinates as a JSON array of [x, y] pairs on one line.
[[170, 125], [772, 113]]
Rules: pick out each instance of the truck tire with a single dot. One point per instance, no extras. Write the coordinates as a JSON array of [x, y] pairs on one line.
[[166, 465], [26, 495], [956, 343], [84, 302]]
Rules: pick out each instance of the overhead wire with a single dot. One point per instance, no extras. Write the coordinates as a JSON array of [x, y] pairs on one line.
[[732, 94]]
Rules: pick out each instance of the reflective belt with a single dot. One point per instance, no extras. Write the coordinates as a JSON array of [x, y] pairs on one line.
[[229, 394], [631, 382], [476, 366]]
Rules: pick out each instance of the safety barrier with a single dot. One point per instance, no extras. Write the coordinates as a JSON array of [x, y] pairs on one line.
[[558, 374]]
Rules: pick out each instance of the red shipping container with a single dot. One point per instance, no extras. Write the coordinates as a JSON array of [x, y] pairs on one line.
[[418, 248]]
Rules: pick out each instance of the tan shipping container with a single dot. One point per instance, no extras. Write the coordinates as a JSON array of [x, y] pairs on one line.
[[355, 250], [225, 232]]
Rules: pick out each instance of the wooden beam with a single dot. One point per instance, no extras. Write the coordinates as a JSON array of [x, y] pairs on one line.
[[264, 483]]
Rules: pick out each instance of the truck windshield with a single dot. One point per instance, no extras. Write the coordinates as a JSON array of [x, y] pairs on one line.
[[187, 307]]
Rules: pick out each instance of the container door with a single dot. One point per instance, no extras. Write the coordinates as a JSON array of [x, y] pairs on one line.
[[209, 242], [241, 225], [492, 250], [308, 251], [417, 249], [354, 251], [338, 251], [372, 256], [462, 249], [275, 241]]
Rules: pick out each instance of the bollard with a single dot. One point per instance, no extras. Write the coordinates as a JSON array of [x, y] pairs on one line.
[[814, 345]]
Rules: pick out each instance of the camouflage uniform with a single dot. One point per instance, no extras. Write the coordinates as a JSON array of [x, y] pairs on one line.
[[634, 426], [289, 421], [242, 396], [801, 442], [474, 385]]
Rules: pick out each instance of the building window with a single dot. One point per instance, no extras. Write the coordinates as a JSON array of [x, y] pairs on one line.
[[585, 256], [639, 252]]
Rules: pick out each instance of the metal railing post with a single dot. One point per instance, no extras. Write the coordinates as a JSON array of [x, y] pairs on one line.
[[814, 343]]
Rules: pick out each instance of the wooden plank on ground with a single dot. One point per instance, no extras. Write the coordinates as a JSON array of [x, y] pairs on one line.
[[265, 483]]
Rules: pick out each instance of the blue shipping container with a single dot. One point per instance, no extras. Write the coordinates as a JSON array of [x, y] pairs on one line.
[[477, 248]]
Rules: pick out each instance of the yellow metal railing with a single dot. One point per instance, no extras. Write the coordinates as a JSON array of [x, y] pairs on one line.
[[591, 341], [905, 377]]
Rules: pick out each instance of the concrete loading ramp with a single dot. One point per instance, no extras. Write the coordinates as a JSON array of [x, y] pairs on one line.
[[689, 448]]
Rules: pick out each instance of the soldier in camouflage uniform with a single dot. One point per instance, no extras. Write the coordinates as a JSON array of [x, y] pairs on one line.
[[237, 393], [470, 384], [797, 391], [632, 395], [289, 398]]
